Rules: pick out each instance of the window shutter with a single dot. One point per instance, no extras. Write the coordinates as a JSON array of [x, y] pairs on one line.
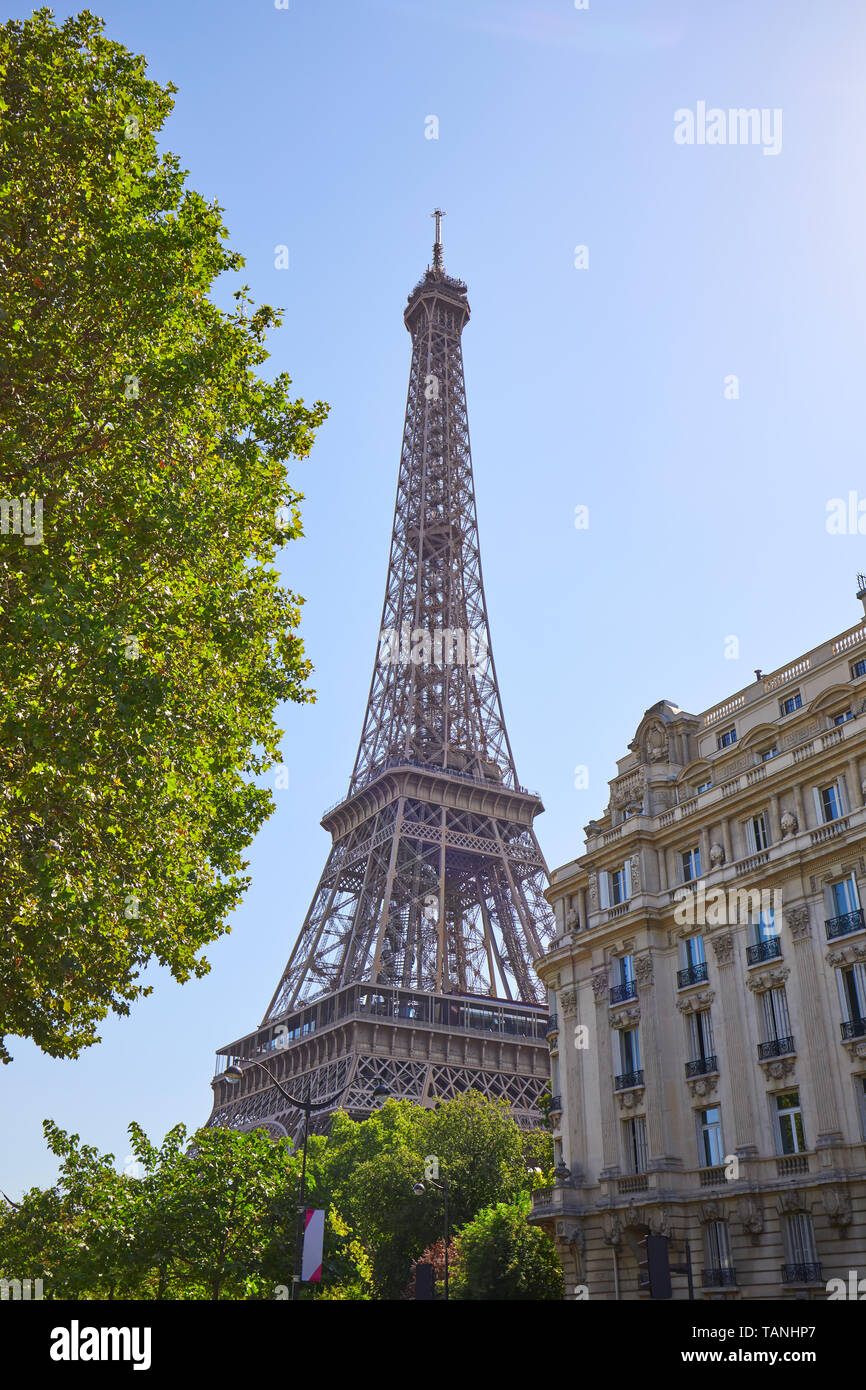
[[843, 996], [782, 1018], [750, 836], [627, 878], [819, 809], [604, 889], [860, 983]]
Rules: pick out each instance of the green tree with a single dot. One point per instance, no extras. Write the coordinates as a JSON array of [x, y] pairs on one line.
[[146, 638], [500, 1257]]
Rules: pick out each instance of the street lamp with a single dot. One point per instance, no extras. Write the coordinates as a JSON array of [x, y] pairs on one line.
[[419, 1189], [233, 1075]]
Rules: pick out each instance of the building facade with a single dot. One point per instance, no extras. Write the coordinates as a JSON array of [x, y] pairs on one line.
[[707, 989]]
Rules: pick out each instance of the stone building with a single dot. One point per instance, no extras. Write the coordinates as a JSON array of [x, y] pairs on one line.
[[707, 988]]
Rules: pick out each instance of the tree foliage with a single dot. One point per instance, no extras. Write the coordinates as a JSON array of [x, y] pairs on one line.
[[146, 640], [499, 1257], [213, 1215]]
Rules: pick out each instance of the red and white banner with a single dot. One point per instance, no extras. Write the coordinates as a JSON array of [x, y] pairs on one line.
[[314, 1239]]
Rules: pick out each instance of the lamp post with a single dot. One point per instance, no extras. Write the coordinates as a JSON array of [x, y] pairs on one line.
[[233, 1074], [419, 1189]]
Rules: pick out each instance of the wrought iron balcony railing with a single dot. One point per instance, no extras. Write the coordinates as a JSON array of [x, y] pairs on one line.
[[619, 993], [718, 1278], [844, 925], [701, 1066], [764, 950], [802, 1274], [853, 1028], [776, 1047], [555, 1104], [692, 975], [552, 1026], [627, 1079]]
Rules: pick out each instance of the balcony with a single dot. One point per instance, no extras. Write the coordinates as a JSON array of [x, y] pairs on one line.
[[555, 1106], [802, 1274], [844, 925], [627, 1080], [692, 975], [853, 1028], [792, 1165], [713, 1177], [620, 993], [777, 1047], [718, 1278], [702, 1066], [638, 1182], [552, 1026], [770, 949]]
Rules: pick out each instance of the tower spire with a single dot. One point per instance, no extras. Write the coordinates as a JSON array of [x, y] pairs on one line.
[[438, 214]]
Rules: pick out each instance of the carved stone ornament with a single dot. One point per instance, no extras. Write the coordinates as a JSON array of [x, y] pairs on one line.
[[724, 948], [789, 823], [702, 1086], [643, 970], [859, 1051], [717, 855], [695, 1003], [626, 1018], [611, 1231], [568, 1002], [760, 982], [751, 1215], [779, 1068], [837, 1205], [798, 921], [656, 744], [793, 1201], [562, 1175], [635, 873], [658, 1222], [572, 921], [600, 986], [710, 1211], [631, 1100], [593, 891]]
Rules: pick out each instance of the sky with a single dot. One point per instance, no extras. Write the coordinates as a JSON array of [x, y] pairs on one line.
[[694, 378]]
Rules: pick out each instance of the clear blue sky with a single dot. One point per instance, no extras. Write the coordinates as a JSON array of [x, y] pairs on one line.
[[602, 387]]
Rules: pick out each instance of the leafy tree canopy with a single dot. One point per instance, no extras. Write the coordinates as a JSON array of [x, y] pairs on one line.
[[146, 638]]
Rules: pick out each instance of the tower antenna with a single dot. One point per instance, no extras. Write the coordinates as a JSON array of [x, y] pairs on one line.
[[438, 214]]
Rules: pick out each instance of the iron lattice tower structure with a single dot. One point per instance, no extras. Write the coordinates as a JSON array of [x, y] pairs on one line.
[[413, 967]]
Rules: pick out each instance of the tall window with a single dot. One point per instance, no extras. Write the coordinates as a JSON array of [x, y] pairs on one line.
[[635, 1144], [828, 802], [700, 1035], [757, 836], [717, 1245], [629, 1050], [851, 980], [789, 1123], [615, 885], [710, 1150], [844, 896], [800, 1239], [690, 864], [764, 926], [774, 1009], [692, 952], [624, 970], [860, 1083]]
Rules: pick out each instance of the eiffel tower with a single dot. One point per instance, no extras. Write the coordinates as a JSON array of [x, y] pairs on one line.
[[413, 968]]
